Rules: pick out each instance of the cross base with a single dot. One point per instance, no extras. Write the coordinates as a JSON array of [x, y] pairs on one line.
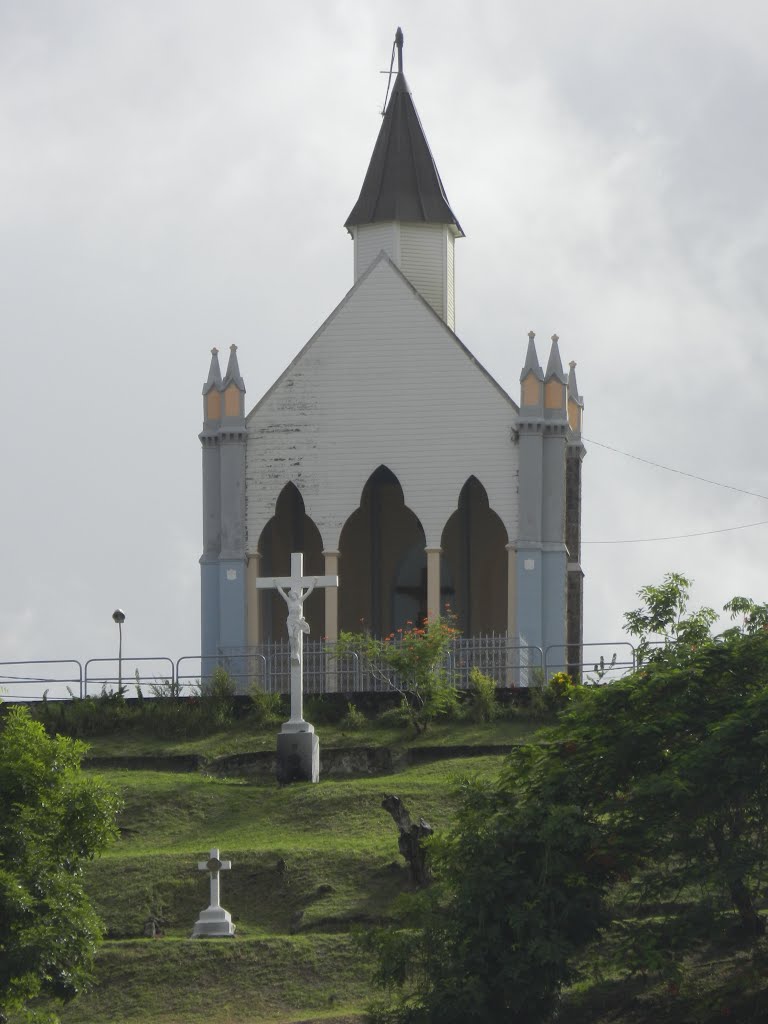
[[298, 755], [215, 922], [296, 725]]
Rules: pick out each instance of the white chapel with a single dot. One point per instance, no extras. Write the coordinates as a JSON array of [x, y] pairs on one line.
[[389, 456]]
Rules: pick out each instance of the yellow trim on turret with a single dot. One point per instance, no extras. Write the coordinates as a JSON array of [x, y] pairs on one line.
[[530, 390], [574, 415], [213, 405], [554, 395], [232, 401]]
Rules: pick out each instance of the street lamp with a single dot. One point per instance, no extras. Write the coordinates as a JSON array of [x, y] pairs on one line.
[[118, 616]]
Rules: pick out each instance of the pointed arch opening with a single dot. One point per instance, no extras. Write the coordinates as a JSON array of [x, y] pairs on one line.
[[290, 529], [383, 565], [474, 550]]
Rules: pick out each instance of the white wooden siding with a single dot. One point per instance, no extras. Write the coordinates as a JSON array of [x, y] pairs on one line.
[[422, 260], [450, 302], [383, 382], [370, 239]]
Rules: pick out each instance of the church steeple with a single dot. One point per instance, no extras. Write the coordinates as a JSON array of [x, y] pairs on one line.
[[403, 208], [402, 182]]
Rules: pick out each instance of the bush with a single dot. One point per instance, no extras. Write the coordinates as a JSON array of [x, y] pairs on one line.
[[550, 698], [354, 720], [266, 708], [218, 695], [481, 704], [398, 717], [410, 662], [54, 818]]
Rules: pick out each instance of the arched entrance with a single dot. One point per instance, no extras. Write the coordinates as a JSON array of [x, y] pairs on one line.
[[381, 537], [474, 550], [290, 529], [409, 597]]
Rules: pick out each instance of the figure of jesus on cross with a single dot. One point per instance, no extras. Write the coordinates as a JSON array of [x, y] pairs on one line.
[[297, 624], [294, 590]]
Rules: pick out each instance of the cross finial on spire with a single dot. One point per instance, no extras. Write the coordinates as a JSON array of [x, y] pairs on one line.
[[399, 45], [531, 335]]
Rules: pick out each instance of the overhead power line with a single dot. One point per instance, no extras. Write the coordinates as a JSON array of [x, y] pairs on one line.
[[692, 476], [682, 472], [678, 536]]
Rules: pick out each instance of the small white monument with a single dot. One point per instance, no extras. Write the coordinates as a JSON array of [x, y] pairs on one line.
[[298, 748], [215, 922]]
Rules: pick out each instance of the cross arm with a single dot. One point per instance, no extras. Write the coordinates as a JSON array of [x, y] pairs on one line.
[[269, 582]]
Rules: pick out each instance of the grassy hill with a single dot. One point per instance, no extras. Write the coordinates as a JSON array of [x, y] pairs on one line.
[[311, 865]]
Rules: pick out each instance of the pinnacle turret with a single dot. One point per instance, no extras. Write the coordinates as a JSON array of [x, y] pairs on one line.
[[555, 363], [214, 373], [532, 364], [232, 375], [575, 401]]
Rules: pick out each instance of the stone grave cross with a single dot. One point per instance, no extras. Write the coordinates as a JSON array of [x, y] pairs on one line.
[[294, 590], [215, 921]]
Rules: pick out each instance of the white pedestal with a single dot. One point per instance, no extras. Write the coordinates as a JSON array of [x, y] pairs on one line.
[[215, 922], [298, 754]]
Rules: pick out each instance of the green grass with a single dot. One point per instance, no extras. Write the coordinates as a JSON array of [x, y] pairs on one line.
[[310, 864], [327, 850], [226, 981], [244, 737]]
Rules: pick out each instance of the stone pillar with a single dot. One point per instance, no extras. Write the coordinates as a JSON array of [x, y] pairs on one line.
[[511, 593], [331, 620], [433, 582], [253, 599], [331, 597]]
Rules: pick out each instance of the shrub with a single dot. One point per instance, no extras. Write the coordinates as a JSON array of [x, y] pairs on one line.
[[354, 720], [551, 697], [482, 705], [218, 695], [410, 662], [266, 708]]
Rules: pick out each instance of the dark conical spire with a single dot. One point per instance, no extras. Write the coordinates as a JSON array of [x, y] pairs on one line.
[[402, 182]]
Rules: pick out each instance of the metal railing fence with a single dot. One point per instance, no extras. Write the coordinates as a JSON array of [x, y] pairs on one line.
[[59, 678], [510, 662]]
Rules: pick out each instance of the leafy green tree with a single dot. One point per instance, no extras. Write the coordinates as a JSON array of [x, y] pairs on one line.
[[663, 620], [53, 818], [650, 791], [410, 662]]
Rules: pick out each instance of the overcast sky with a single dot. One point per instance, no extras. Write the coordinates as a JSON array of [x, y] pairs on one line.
[[175, 174]]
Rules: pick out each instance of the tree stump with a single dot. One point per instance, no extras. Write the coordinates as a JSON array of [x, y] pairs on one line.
[[409, 841]]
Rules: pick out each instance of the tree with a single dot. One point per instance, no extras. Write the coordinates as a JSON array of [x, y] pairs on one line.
[[649, 792], [53, 819], [410, 662]]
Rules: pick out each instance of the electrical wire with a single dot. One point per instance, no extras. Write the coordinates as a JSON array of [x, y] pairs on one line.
[[680, 472], [692, 476], [679, 536]]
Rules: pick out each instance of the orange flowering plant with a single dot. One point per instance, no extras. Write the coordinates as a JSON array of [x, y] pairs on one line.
[[412, 662]]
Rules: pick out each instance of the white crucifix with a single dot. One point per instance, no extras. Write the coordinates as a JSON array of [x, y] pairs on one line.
[[215, 921], [294, 590]]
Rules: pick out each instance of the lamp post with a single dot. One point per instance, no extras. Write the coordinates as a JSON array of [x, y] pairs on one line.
[[118, 616]]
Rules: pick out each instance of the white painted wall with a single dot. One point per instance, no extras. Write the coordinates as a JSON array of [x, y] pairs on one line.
[[423, 260], [450, 291], [370, 239], [424, 253], [382, 382]]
